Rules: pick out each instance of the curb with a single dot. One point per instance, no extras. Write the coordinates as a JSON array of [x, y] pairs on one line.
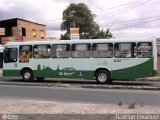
[[36, 84], [120, 87], [154, 79]]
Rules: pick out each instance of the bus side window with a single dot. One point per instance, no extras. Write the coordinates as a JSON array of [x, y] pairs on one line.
[[102, 50], [61, 51], [81, 50], [41, 51], [125, 50], [25, 51], [144, 50]]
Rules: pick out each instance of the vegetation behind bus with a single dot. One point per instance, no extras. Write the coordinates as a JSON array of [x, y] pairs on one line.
[[80, 16]]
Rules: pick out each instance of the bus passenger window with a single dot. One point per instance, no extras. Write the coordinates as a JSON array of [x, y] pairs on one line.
[[61, 51], [144, 50], [25, 51], [81, 50], [102, 50], [41, 51], [125, 50]]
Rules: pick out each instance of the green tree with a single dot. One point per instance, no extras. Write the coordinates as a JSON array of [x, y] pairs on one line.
[[103, 34], [80, 16]]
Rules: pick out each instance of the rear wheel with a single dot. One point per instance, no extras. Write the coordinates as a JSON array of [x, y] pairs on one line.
[[102, 77], [27, 75], [40, 78]]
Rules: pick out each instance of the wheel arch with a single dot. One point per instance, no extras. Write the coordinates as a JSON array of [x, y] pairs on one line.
[[101, 68], [25, 68]]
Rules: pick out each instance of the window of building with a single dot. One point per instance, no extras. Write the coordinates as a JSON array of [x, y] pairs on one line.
[[125, 50], [42, 33], [23, 31], [42, 51], [102, 50], [61, 51], [25, 51], [34, 33], [81, 50], [144, 49]]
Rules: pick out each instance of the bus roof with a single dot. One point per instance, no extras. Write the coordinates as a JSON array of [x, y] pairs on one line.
[[112, 40]]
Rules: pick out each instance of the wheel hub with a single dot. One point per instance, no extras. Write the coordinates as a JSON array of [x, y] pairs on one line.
[[27, 75], [102, 77]]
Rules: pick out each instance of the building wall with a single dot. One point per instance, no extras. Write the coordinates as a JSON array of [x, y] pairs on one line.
[[29, 27], [14, 31]]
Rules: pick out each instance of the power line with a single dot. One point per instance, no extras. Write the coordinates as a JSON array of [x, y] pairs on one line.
[[95, 11], [132, 24], [132, 7], [118, 6], [124, 11], [126, 23], [134, 20], [140, 23], [100, 10]]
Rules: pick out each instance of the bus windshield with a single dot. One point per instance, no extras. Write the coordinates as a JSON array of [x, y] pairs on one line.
[[10, 55]]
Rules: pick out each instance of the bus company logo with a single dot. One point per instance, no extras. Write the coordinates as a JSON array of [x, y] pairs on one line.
[[81, 74], [4, 116]]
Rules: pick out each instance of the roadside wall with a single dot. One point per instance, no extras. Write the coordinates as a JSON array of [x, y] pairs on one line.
[[158, 63]]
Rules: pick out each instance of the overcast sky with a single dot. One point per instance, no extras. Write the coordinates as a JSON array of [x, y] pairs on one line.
[[124, 18]]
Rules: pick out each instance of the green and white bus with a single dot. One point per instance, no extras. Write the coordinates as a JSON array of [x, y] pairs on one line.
[[101, 59]]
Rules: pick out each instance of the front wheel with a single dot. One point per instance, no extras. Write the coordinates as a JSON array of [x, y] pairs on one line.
[[27, 75], [103, 77]]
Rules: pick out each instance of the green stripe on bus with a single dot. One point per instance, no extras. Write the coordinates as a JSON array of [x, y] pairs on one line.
[[64, 74], [142, 70], [11, 73], [52, 74]]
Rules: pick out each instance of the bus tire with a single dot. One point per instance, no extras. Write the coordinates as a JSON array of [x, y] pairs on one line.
[[103, 77], [40, 78], [27, 75]]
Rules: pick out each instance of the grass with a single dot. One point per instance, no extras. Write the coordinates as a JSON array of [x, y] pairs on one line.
[[132, 105], [120, 103], [158, 74]]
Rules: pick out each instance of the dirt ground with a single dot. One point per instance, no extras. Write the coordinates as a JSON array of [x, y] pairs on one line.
[[16, 106]]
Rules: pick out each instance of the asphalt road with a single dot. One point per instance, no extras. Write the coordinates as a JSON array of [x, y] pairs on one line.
[[81, 95], [79, 83]]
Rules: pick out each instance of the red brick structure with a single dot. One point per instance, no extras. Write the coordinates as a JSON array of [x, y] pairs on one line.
[[22, 30]]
